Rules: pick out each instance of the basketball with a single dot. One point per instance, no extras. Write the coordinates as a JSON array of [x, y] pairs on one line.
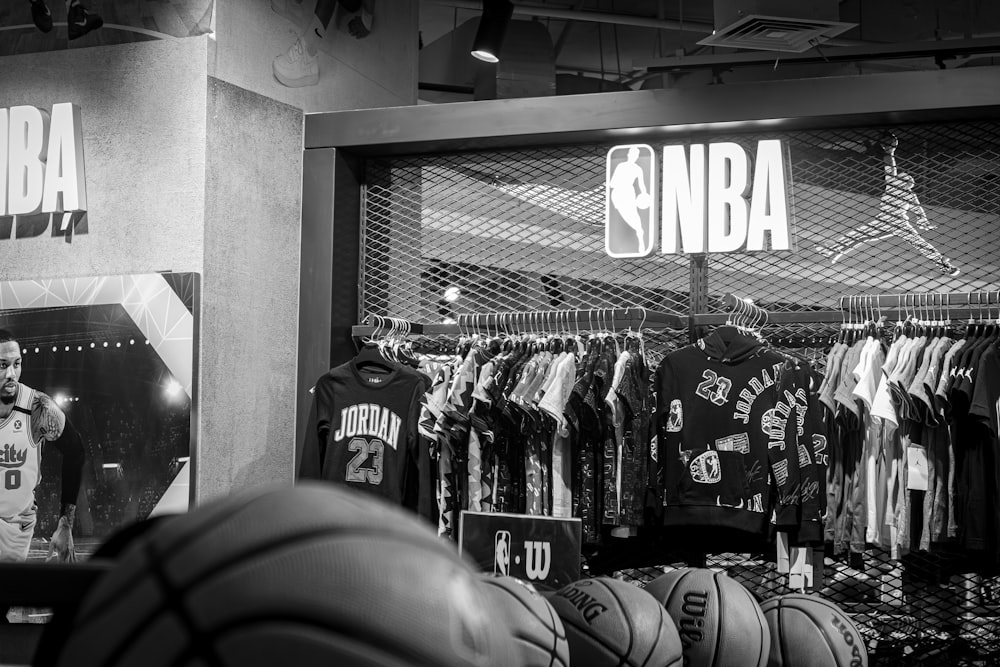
[[613, 623], [535, 626], [719, 622], [808, 630], [314, 574], [642, 201]]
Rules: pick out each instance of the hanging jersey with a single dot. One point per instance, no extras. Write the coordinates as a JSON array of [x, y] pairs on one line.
[[726, 427], [20, 456], [363, 432]]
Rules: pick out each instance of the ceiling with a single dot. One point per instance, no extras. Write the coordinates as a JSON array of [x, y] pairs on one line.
[[594, 45]]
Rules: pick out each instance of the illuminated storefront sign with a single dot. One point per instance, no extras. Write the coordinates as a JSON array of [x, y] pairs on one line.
[[42, 172], [713, 198]]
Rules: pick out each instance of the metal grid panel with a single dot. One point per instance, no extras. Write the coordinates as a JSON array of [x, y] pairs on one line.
[[514, 231], [851, 238]]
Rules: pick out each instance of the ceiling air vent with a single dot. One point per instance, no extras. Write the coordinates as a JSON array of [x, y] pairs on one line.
[[775, 33], [775, 25]]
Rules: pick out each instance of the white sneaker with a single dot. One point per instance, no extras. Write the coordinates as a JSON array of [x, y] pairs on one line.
[[288, 9], [296, 68]]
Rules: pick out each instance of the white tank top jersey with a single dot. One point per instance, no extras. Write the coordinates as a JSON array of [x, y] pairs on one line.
[[20, 457]]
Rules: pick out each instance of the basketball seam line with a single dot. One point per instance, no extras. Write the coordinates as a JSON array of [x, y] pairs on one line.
[[819, 624], [351, 632], [659, 635], [174, 602], [556, 622], [628, 623], [553, 617], [765, 647], [284, 542], [781, 636], [666, 605], [718, 622], [598, 640]]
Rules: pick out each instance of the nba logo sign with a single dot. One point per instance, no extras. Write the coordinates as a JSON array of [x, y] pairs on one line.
[[501, 553], [630, 218]]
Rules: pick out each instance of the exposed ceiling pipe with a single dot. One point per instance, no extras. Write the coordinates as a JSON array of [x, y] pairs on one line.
[[593, 17], [561, 41]]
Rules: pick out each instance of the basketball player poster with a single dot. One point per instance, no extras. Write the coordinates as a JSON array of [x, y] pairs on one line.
[[630, 204], [115, 353]]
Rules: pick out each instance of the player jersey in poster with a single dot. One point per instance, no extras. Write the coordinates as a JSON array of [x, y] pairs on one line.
[[362, 432], [20, 456]]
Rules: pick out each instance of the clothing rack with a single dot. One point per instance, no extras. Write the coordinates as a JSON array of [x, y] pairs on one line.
[[538, 321], [977, 304], [981, 304]]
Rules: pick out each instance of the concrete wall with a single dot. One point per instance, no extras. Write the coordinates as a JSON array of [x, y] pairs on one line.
[[250, 295], [144, 117]]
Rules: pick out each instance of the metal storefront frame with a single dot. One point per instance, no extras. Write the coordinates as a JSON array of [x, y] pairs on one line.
[[948, 613]]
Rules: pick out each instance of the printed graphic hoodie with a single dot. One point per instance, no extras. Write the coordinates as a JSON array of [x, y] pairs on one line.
[[727, 432]]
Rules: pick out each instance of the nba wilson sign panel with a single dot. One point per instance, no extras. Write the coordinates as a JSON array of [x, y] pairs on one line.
[[42, 173], [710, 198]]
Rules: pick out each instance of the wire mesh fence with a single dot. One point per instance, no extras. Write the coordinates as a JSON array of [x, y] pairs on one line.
[[523, 230]]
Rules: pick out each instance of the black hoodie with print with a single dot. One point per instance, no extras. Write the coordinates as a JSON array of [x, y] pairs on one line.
[[726, 434]]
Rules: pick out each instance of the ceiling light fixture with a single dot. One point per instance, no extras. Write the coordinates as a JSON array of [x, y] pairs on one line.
[[492, 28]]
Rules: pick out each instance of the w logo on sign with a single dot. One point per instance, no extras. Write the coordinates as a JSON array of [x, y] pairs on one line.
[[630, 212], [537, 560]]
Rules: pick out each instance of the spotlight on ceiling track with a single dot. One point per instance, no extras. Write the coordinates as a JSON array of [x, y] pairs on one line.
[[492, 28]]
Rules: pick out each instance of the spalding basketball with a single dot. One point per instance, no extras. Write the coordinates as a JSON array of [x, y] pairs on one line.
[[808, 630], [314, 574], [613, 623], [719, 622], [535, 626], [642, 201]]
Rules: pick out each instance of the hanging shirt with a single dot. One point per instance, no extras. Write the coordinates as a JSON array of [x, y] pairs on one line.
[[723, 430], [362, 433]]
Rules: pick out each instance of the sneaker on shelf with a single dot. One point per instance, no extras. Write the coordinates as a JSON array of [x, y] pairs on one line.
[[41, 15], [81, 21], [291, 10], [360, 25], [296, 68]]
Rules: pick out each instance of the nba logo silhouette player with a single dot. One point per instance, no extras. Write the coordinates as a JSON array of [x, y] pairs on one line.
[[630, 206], [501, 553]]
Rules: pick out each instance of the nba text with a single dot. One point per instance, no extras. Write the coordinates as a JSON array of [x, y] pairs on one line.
[[713, 205], [42, 172]]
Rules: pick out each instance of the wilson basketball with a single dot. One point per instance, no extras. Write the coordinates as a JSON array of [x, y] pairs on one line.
[[719, 622], [808, 630], [611, 622], [535, 626], [309, 575]]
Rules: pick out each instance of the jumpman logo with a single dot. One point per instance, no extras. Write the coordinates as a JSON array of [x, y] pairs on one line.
[[630, 209], [900, 214]]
